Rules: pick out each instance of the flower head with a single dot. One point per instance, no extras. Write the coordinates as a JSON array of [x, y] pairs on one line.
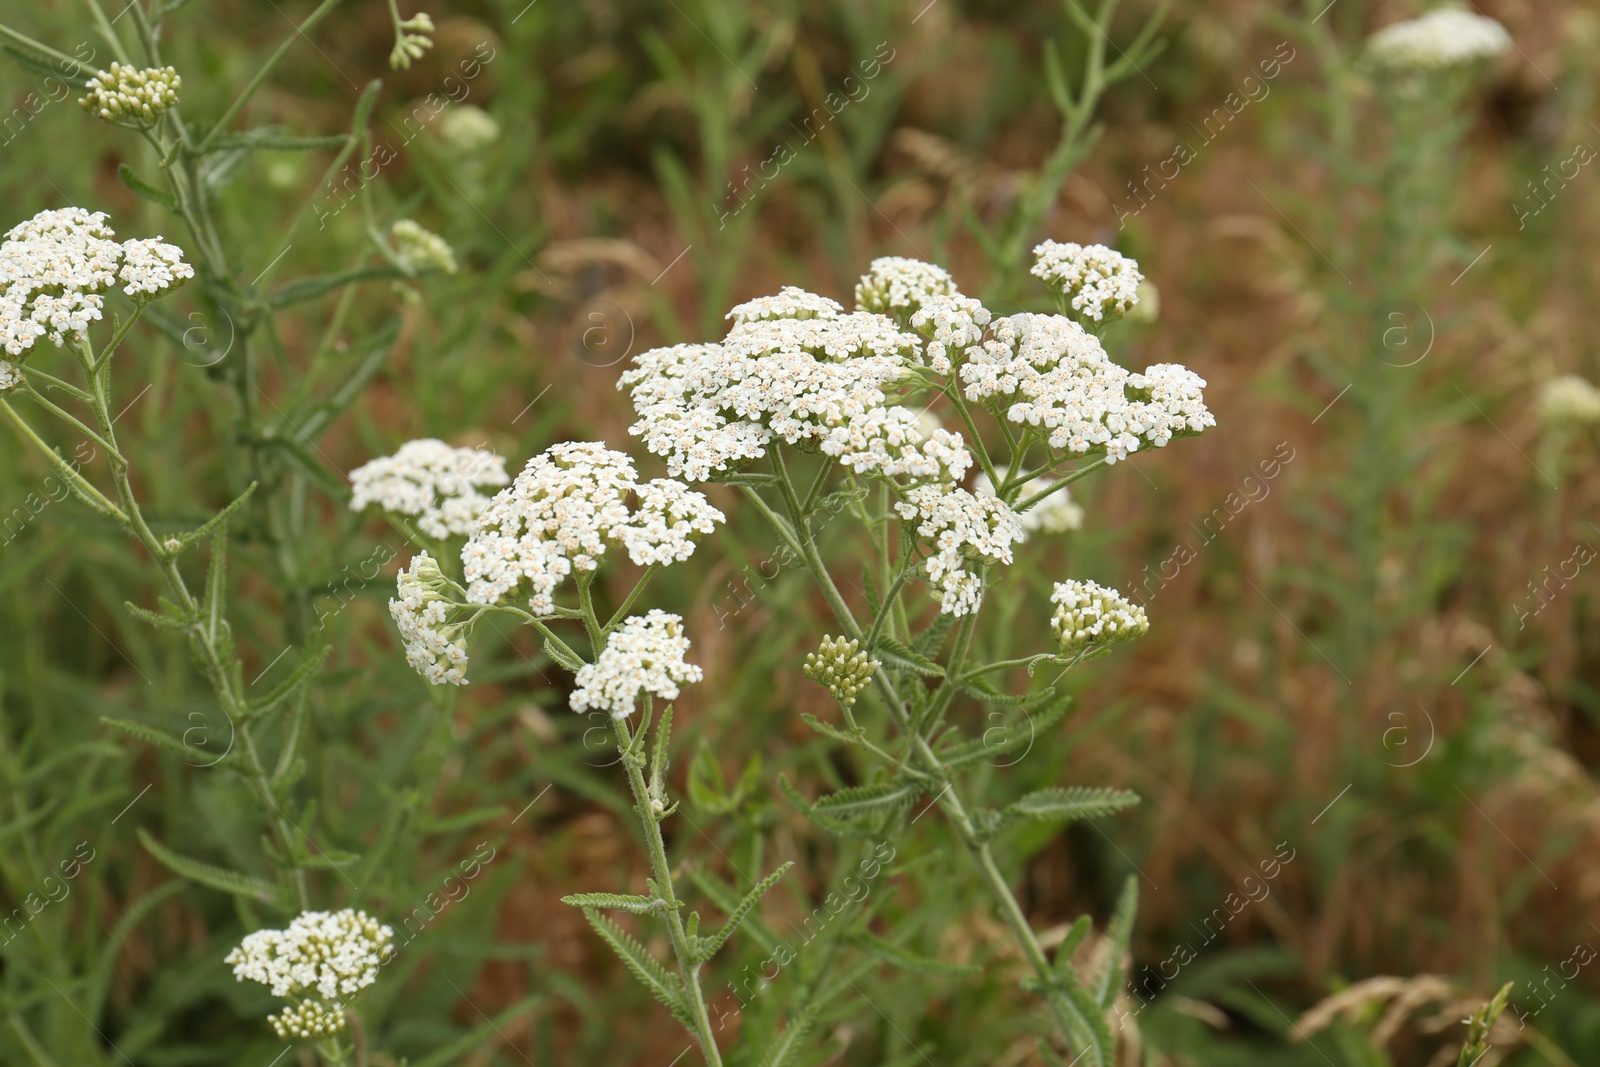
[[1093, 280], [1442, 38], [421, 251], [643, 654], [468, 129], [561, 512], [708, 407], [56, 268], [9, 378], [1568, 402], [1063, 381], [431, 482], [320, 961], [127, 96], [433, 626], [841, 667], [897, 286], [961, 529], [791, 302], [1091, 615]]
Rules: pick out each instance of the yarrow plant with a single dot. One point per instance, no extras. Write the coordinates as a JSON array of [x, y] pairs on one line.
[[801, 397]]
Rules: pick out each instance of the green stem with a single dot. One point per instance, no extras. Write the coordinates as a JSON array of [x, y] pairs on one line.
[[261, 75], [650, 829]]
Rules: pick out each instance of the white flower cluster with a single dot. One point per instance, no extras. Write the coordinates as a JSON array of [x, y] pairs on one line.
[[644, 654], [1068, 385], [901, 287], [1442, 38], [1088, 614], [431, 482], [429, 624], [411, 40], [792, 302], [798, 368], [840, 666], [1569, 402], [323, 958], [421, 251], [951, 325], [468, 129], [560, 512], [1093, 280], [1057, 513], [961, 528], [56, 267], [708, 407], [9, 378], [131, 97], [893, 442]]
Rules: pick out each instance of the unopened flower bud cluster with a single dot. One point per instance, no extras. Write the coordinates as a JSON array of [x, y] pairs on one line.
[[1090, 615], [128, 96], [411, 40], [841, 667], [421, 251]]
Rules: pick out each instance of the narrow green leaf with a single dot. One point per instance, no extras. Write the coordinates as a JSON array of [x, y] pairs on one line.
[[714, 943], [867, 800], [162, 739], [663, 986], [144, 189], [783, 1051], [658, 754], [1106, 984], [155, 618], [830, 731], [618, 901], [563, 656], [1069, 804], [1479, 1025], [285, 689], [303, 289], [273, 138], [894, 654], [207, 874], [206, 528], [909, 961]]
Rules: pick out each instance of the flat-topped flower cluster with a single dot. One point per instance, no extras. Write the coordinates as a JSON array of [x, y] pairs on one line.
[[1442, 38], [798, 368], [322, 960], [56, 268]]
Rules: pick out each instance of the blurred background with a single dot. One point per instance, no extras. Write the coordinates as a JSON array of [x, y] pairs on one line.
[[1374, 662]]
